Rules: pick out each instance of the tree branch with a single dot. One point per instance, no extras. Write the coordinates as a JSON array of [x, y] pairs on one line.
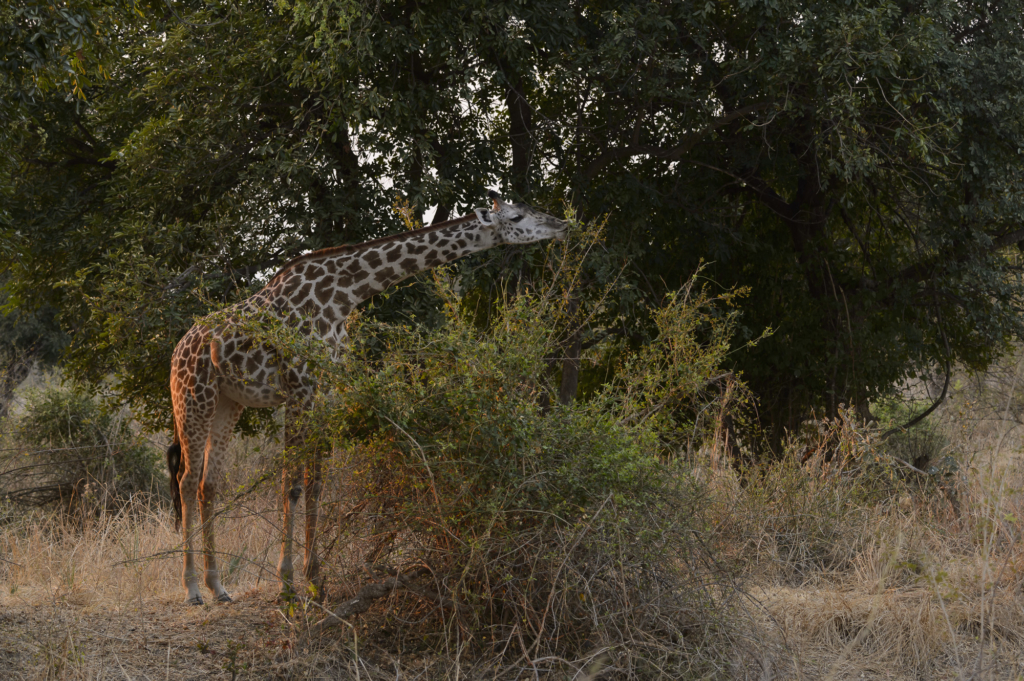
[[687, 142], [922, 270]]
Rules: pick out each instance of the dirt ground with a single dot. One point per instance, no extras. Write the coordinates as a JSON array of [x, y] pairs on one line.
[[807, 634], [158, 638]]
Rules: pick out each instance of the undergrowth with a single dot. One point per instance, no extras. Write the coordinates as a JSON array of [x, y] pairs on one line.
[[66, 449]]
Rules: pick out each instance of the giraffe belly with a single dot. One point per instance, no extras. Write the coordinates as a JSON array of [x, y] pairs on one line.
[[251, 393]]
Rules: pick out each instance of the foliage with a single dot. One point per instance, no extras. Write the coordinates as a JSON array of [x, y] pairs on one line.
[[27, 337], [75, 453], [559, 516], [855, 165]]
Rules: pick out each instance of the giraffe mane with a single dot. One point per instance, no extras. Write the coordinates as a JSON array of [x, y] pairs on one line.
[[351, 248]]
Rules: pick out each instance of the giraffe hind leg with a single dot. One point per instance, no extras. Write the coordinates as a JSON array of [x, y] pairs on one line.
[[291, 489], [194, 421], [291, 479], [224, 419], [311, 564]]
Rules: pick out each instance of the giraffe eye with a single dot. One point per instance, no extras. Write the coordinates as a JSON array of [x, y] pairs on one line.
[[517, 218]]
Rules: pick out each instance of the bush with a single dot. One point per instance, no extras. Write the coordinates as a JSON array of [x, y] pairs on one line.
[[72, 451], [560, 529], [813, 511]]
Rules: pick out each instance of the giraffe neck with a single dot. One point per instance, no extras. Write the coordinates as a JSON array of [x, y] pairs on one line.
[[320, 291]]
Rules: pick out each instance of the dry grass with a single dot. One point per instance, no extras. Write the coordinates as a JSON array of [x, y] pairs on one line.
[[918, 582], [838, 581], [99, 596]]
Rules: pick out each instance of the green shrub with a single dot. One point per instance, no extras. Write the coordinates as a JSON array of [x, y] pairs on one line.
[[73, 451]]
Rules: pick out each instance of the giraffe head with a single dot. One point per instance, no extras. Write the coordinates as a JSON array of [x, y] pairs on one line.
[[518, 223]]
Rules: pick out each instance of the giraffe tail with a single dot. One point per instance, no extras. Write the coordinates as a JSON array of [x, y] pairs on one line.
[[173, 463]]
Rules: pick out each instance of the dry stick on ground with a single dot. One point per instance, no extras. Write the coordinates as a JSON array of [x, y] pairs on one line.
[[373, 592]]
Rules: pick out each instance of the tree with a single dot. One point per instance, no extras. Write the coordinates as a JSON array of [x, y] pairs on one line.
[[856, 166]]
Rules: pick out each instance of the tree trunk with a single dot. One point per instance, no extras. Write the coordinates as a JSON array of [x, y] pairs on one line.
[[521, 136]]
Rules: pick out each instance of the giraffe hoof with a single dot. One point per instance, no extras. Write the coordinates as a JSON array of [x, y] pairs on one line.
[[224, 598], [195, 600]]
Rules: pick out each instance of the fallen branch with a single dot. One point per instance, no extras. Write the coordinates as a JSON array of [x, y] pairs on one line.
[[373, 592]]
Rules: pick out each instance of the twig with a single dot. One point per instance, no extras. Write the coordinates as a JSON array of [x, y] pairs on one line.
[[558, 572], [52, 463]]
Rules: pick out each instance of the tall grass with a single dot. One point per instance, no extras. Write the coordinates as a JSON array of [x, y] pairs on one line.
[[827, 577]]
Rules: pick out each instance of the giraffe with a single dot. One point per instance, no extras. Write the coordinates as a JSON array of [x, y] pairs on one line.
[[217, 370]]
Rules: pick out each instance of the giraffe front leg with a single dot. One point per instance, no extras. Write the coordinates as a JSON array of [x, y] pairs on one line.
[[311, 563], [291, 489]]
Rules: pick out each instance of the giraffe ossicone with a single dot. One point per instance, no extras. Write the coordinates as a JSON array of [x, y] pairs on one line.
[[218, 369]]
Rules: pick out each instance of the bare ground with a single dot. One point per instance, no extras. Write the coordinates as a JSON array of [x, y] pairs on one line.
[[155, 639]]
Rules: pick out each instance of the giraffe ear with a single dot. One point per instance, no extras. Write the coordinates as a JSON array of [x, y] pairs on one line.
[[483, 215]]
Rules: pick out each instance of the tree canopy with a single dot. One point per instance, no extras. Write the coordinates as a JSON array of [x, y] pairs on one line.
[[857, 165]]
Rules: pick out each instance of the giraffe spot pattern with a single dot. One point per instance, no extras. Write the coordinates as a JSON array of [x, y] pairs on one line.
[[217, 372], [372, 259]]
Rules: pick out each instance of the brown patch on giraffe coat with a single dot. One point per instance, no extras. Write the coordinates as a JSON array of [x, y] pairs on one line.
[[323, 291]]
